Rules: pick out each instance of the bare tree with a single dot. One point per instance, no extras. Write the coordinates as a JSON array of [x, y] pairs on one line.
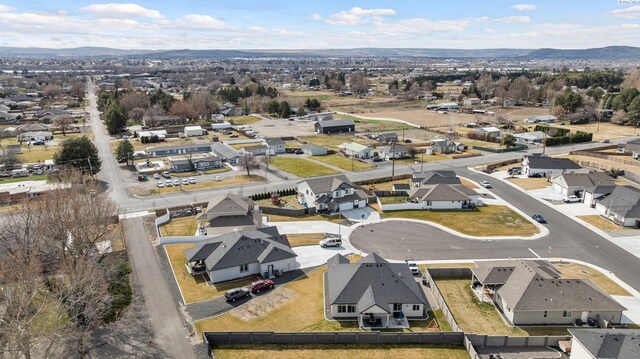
[[204, 104], [184, 110], [521, 90], [248, 162], [137, 114], [266, 161], [136, 99], [63, 123], [359, 83]]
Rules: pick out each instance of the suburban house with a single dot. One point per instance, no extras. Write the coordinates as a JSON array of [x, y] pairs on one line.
[[547, 166], [357, 150], [256, 150], [35, 136], [471, 101], [591, 194], [509, 102], [532, 138], [195, 163], [531, 292], [6, 117], [240, 254], [226, 152], [434, 177], [393, 151], [490, 131], [310, 149], [154, 120], [575, 183], [179, 149], [331, 194], [276, 145], [230, 212], [194, 131], [335, 126], [443, 196], [161, 134], [622, 206], [377, 293], [388, 137], [228, 109], [33, 127], [634, 148], [605, 343], [445, 146]]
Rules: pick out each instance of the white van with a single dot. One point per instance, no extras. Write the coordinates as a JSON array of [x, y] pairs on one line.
[[330, 242]]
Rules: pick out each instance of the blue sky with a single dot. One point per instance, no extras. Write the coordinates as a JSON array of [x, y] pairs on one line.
[[264, 24]]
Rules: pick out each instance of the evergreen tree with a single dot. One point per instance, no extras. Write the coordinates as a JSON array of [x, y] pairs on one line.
[[80, 153]]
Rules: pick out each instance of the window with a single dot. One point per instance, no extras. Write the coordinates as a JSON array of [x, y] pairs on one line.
[[428, 203], [351, 308], [566, 314], [416, 307], [545, 314], [397, 306], [244, 268], [346, 308]]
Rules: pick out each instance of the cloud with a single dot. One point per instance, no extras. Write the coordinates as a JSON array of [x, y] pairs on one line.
[[5, 8], [488, 30], [316, 17], [510, 19], [632, 12], [115, 10], [421, 26], [358, 15], [524, 7], [204, 22]]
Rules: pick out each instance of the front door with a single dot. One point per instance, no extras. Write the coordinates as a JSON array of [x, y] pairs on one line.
[[584, 317], [270, 269]]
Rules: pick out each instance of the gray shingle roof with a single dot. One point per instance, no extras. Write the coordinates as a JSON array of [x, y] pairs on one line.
[[609, 343], [440, 192], [336, 123], [624, 201], [328, 184], [229, 202], [552, 163], [373, 280], [586, 179], [224, 151], [435, 177]]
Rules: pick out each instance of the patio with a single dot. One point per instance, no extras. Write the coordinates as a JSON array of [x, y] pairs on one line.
[[388, 321]]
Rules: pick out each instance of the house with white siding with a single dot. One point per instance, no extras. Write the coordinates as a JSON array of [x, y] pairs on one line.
[[331, 194]]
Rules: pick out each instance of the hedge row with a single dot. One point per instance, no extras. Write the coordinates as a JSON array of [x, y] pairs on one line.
[[578, 137], [284, 192]]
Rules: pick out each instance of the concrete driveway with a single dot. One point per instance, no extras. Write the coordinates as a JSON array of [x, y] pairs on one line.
[[359, 214], [311, 256]]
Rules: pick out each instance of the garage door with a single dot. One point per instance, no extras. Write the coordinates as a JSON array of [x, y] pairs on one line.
[[557, 187]]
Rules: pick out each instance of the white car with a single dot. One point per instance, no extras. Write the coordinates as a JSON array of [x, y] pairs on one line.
[[217, 178], [168, 183], [485, 184], [330, 242], [572, 198], [185, 181], [192, 180], [413, 266], [160, 184], [156, 176], [176, 182]]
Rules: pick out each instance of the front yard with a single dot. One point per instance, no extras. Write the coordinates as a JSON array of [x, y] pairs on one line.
[[195, 288], [344, 163], [530, 183], [300, 167], [341, 351], [483, 318], [305, 239], [579, 271], [483, 221]]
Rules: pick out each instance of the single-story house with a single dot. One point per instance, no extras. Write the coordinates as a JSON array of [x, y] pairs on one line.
[[35, 136], [377, 293], [471, 101], [230, 212], [226, 152], [443, 196], [572, 183], [256, 150], [541, 119], [394, 151], [233, 111], [162, 134], [447, 106], [193, 131], [240, 254], [532, 292], [622, 206], [357, 150], [509, 102], [196, 163], [547, 166], [276, 145], [310, 149], [597, 343], [445, 146], [331, 194], [33, 127], [490, 131], [167, 120], [6, 117], [179, 149], [434, 177], [534, 138], [633, 147], [335, 126], [388, 137], [221, 126], [591, 194]]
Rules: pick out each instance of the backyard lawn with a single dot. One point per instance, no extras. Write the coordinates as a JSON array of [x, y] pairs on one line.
[[386, 186], [195, 288], [483, 221], [36, 154], [579, 271], [344, 163], [301, 167], [285, 201], [393, 200], [307, 293], [476, 317], [341, 351], [185, 226], [235, 180]]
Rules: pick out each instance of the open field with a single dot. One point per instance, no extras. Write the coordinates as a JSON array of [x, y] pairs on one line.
[[530, 183], [334, 140], [195, 288], [340, 351], [305, 239], [579, 271], [366, 125], [185, 226], [483, 221], [235, 180], [308, 292], [300, 167], [601, 131], [344, 163], [35, 154], [474, 316], [602, 223]]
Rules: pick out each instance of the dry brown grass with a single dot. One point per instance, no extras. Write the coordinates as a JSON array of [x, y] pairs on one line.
[[602, 223], [468, 183], [305, 239], [605, 164], [387, 186], [185, 226], [579, 271], [530, 183], [263, 305], [448, 265]]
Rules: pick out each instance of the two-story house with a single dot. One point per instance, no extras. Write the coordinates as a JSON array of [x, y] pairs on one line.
[[331, 194]]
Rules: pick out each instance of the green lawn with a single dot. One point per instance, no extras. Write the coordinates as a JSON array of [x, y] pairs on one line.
[[344, 163], [244, 120], [393, 200], [22, 179], [483, 221], [185, 226], [301, 167]]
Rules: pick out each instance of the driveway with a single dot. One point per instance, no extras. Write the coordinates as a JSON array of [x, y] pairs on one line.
[[311, 256], [299, 227], [359, 214]]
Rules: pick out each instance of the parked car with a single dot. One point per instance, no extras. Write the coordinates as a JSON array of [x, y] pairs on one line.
[[233, 136], [514, 170], [262, 284], [377, 159], [237, 293], [538, 218], [572, 198], [485, 184], [185, 181], [168, 183], [606, 140], [535, 175], [298, 152], [156, 176], [166, 174], [176, 182], [217, 178], [160, 184], [192, 180], [330, 242], [413, 266]]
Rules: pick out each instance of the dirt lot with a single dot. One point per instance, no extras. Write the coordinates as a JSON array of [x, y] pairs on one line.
[[283, 127]]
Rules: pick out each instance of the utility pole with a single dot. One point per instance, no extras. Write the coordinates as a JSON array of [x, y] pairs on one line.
[[393, 159], [422, 160]]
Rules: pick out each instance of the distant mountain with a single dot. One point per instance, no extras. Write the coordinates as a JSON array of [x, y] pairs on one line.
[[604, 53]]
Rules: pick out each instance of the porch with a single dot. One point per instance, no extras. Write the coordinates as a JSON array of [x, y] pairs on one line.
[[397, 320], [484, 292]]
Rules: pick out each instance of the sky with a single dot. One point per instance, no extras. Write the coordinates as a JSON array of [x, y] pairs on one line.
[[303, 24]]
